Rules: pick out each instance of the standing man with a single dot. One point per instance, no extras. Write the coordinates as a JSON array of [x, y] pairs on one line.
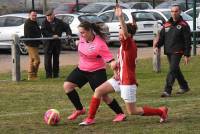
[[32, 30], [53, 27], [176, 38]]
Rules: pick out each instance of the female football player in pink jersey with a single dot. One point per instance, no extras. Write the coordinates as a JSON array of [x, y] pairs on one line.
[[93, 55], [124, 80]]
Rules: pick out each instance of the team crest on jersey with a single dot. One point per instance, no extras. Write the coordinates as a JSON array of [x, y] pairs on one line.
[[91, 47], [178, 26]]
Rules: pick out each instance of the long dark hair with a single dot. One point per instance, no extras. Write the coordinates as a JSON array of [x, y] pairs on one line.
[[93, 27]]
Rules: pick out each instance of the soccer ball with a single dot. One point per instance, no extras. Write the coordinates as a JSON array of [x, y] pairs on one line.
[[52, 117]]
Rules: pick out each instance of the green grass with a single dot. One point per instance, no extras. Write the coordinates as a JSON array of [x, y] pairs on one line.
[[23, 104]]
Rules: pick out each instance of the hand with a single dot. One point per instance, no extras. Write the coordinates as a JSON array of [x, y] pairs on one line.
[[186, 60], [113, 65], [118, 11], [69, 36], [155, 50], [55, 36], [77, 42], [116, 76]]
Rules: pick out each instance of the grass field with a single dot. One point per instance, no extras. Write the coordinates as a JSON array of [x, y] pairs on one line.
[[23, 105]]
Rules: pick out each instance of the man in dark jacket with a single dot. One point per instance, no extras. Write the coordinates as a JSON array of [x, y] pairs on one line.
[[176, 38], [32, 30], [53, 27]]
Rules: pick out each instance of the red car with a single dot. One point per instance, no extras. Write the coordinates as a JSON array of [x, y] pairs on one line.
[[69, 7]]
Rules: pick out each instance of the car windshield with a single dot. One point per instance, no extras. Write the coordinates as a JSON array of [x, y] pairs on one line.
[[181, 3], [92, 8], [184, 15], [62, 8], [190, 12], [14, 21], [143, 16], [90, 18]]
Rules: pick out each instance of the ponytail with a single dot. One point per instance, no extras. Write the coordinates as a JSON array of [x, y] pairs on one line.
[[93, 27], [99, 31]]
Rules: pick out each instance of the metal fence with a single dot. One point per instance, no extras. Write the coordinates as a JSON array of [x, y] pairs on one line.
[[15, 51]]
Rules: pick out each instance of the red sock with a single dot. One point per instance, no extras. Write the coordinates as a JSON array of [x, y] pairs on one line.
[[149, 111], [94, 105]]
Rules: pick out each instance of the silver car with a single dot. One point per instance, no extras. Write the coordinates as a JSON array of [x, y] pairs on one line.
[[11, 24], [146, 22], [99, 7], [75, 19]]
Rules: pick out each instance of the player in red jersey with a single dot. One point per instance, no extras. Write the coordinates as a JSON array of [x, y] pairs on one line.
[[124, 79]]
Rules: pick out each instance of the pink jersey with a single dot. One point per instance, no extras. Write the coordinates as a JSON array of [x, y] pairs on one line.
[[93, 55], [127, 55]]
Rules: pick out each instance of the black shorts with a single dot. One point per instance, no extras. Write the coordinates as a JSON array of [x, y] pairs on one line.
[[80, 77]]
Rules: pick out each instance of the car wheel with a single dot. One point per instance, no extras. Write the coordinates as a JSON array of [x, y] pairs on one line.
[[72, 44], [23, 48], [150, 43]]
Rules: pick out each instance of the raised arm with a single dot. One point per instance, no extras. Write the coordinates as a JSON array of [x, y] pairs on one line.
[[119, 14]]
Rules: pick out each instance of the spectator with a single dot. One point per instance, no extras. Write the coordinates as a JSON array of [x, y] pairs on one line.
[[53, 27], [156, 55], [32, 30], [176, 38]]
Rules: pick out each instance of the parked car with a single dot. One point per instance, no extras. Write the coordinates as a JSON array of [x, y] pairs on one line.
[[14, 24], [165, 14], [100, 7], [140, 5], [190, 12], [146, 22], [75, 19], [69, 7], [182, 3]]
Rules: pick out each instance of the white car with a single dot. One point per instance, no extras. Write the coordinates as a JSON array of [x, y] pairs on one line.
[[99, 7], [190, 12], [167, 4], [165, 14], [14, 24], [140, 5], [75, 19], [146, 22]]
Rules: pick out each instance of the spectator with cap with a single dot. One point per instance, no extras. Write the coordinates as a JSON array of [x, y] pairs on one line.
[[53, 27]]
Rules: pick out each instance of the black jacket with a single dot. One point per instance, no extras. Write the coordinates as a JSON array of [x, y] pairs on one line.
[[32, 30], [48, 30], [176, 37]]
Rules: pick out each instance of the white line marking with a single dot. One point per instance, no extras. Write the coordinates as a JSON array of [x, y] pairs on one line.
[[145, 102]]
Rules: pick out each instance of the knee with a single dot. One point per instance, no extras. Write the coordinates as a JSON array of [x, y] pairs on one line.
[[68, 87], [106, 99], [98, 94], [37, 62]]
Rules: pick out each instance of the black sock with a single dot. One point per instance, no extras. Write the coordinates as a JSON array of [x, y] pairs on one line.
[[74, 98], [115, 107]]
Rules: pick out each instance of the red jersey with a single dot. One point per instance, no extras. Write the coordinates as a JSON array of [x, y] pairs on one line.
[[127, 55]]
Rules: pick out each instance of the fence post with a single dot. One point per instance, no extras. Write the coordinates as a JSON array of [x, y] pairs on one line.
[[15, 59]]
